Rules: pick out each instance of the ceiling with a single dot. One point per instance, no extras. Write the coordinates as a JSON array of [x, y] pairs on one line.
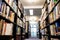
[[36, 5], [32, 3]]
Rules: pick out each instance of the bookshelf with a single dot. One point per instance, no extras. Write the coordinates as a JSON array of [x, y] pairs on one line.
[[50, 21], [11, 19]]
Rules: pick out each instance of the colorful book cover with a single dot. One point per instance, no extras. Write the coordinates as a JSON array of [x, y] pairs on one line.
[[55, 1], [58, 26]]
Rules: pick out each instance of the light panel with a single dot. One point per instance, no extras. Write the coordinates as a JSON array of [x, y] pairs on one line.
[[31, 12]]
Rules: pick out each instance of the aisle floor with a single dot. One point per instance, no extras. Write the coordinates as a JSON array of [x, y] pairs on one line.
[[33, 39]]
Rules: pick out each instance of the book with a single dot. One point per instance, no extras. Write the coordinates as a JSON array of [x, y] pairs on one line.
[[20, 6], [4, 28], [55, 1], [24, 19], [21, 23], [58, 11], [3, 9], [19, 3], [18, 37], [1, 26], [48, 1], [50, 6], [14, 6], [42, 25], [7, 11], [9, 2], [57, 26], [54, 13], [19, 13], [51, 17], [9, 28], [0, 8], [53, 29], [18, 30], [27, 26], [18, 21], [11, 16]]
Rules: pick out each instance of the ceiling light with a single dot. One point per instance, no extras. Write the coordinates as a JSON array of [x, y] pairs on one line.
[[31, 0], [31, 12]]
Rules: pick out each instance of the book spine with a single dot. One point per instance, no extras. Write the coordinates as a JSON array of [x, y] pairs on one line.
[[4, 28], [4, 9], [0, 8], [1, 23], [7, 12]]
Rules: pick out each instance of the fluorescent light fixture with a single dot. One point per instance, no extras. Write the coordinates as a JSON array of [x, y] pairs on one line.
[[31, 12], [31, 1]]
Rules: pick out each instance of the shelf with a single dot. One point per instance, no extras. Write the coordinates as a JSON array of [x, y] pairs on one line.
[[45, 35], [51, 23], [20, 10], [53, 8], [44, 3], [55, 21], [7, 20], [57, 33], [55, 36], [6, 35], [12, 10], [18, 35]]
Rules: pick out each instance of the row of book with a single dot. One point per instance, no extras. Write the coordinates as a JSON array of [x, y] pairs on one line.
[[5, 28], [6, 11], [53, 16], [14, 4], [56, 13]]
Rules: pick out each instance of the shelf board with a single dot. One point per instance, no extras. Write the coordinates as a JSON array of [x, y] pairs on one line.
[[57, 33], [45, 35], [7, 35], [20, 10], [12, 9], [55, 36], [51, 23], [18, 35], [44, 4]]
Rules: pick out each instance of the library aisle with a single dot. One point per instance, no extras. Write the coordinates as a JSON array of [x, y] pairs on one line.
[[33, 39], [29, 19]]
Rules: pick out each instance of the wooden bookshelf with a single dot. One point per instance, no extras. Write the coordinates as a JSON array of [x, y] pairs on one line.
[[15, 26], [51, 18]]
